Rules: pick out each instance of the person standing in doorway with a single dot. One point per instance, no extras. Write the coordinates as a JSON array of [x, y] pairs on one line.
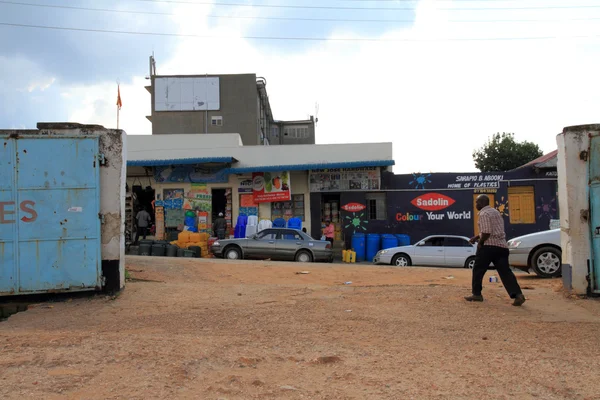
[[492, 248], [143, 220], [329, 232], [220, 226]]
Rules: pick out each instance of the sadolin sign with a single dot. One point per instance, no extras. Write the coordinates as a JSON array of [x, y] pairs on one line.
[[432, 202]]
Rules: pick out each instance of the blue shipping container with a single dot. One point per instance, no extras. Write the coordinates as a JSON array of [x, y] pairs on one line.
[[49, 214]]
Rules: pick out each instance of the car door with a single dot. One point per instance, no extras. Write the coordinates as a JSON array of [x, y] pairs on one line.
[[288, 243], [429, 251], [457, 250], [263, 245]]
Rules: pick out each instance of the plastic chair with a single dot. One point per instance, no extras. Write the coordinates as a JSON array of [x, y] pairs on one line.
[[279, 223], [295, 223], [252, 220], [242, 220]]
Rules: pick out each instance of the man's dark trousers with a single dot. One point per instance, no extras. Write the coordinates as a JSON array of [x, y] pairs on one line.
[[141, 231], [498, 256]]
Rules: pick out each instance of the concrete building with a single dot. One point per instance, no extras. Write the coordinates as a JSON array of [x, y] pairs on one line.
[[220, 169], [214, 104]]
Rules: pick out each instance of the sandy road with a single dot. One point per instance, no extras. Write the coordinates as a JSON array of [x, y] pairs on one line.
[[212, 329]]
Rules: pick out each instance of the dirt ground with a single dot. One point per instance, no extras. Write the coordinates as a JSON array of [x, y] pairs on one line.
[[213, 329]]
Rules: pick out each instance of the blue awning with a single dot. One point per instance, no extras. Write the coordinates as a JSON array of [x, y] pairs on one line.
[[178, 161], [305, 167]]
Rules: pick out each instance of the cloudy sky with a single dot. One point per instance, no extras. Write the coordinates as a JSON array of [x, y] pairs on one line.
[[435, 77]]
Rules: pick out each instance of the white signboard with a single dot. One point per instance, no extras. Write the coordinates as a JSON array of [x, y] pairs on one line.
[[186, 94]]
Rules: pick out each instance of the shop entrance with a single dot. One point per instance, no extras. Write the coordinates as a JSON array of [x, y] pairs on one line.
[[330, 208], [219, 203], [476, 213], [143, 198]]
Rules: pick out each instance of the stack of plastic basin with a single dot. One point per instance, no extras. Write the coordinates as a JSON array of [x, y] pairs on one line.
[[240, 227], [373, 245], [358, 245], [388, 241], [403, 240]]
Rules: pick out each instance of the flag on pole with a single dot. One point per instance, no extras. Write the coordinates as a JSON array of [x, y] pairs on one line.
[[119, 103]]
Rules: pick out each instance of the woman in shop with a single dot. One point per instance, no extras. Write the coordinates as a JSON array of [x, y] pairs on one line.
[[329, 232]]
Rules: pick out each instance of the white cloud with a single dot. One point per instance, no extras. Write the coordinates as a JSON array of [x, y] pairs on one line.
[[435, 100], [41, 85]]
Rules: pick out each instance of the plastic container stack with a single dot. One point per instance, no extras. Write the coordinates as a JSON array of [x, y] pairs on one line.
[[327, 211], [348, 256], [335, 212], [187, 239]]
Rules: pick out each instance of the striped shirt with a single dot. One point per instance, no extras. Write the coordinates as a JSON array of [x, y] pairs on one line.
[[490, 221]]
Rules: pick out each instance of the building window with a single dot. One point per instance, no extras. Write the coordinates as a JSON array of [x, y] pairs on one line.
[[521, 205], [289, 209], [376, 206], [296, 133], [216, 121]]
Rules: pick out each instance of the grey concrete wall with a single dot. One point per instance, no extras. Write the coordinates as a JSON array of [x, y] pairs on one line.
[[238, 97]]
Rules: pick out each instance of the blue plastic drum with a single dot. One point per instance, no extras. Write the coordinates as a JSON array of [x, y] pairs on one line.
[[358, 245]]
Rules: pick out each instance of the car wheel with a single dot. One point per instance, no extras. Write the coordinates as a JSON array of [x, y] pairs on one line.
[[546, 262], [401, 260], [232, 253], [303, 256], [470, 263]]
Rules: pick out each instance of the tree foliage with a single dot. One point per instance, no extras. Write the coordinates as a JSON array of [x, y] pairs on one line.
[[503, 153]]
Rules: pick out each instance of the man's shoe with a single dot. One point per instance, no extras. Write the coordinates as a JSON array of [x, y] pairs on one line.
[[519, 300], [474, 298]]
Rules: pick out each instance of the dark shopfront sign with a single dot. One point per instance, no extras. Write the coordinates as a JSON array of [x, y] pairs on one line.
[[482, 182]]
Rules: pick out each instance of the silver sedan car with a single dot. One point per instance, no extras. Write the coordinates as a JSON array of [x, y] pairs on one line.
[[275, 244], [437, 250], [540, 252]]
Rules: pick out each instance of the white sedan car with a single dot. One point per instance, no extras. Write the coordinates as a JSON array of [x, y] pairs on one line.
[[437, 250], [539, 251]]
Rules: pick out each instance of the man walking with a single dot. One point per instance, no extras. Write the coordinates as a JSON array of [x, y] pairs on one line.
[[220, 226], [492, 247], [143, 220]]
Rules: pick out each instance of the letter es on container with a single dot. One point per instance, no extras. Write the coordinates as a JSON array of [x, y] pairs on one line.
[[8, 210]]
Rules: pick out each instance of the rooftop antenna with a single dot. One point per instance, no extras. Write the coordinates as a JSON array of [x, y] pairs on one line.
[[152, 66], [316, 113]]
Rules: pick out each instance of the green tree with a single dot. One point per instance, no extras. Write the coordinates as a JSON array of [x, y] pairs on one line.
[[503, 153]]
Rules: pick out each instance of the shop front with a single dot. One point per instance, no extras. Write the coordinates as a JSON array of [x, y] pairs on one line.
[[332, 191], [172, 193], [201, 176], [419, 205]]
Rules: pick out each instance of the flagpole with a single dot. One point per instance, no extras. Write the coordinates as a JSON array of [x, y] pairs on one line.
[[118, 102]]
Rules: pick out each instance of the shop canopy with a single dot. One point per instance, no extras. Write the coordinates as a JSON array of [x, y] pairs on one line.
[[180, 161], [227, 149]]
